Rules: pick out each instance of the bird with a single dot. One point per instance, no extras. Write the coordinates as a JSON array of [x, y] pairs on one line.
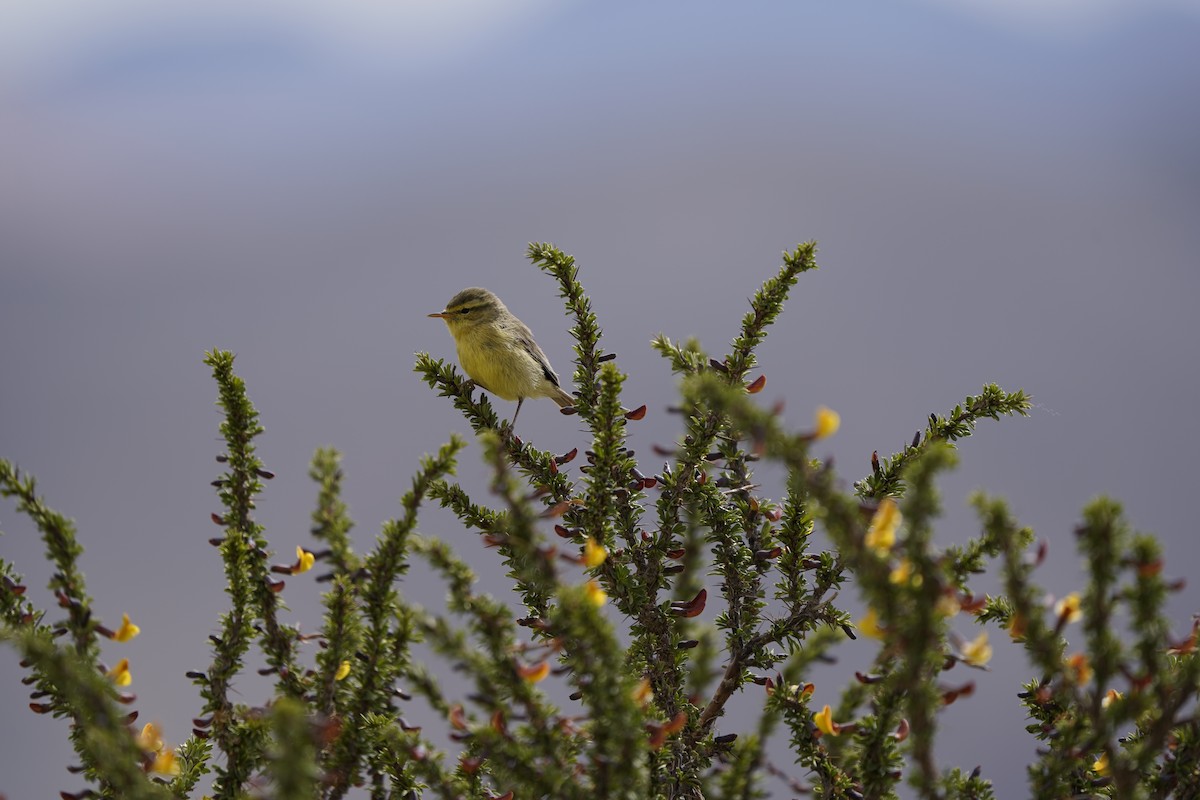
[[498, 351]]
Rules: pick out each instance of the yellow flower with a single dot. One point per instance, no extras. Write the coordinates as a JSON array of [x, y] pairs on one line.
[[342, 671], [642, 693], [535, 674], [823, 719], [978, 652], [166, 763], [1068, 608], [1079, 669], [304, 560], [1110, 697], [948, 605], [120, 674], [150, 739], [595, 593], [870, 626], [828, 422], [1016, 627], [902, 574], [593, 553], [127, 630], [1100, 765], [882, 533]]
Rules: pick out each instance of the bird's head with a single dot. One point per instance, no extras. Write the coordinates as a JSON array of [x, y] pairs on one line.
[[470, 308]]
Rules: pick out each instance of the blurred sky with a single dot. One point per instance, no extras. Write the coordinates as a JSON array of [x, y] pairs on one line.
[[1002, 192]]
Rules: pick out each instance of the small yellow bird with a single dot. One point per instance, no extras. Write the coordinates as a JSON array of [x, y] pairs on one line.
[[498, 351]]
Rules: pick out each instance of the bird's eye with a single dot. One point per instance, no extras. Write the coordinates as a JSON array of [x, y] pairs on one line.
[[464, 311]]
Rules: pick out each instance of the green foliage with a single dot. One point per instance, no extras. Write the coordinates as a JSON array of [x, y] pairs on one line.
[[662, 595]]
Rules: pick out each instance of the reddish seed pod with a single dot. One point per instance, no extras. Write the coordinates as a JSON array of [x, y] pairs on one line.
[[458, 720], [637, 413], [568, 411], [690, 608], [757, 385], [556, 510]]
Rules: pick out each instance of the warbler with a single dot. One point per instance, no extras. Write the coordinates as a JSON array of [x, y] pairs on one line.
[[498, 351]]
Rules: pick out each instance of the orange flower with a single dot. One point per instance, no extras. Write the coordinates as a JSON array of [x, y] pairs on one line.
[[535, 674], [1079, 669]]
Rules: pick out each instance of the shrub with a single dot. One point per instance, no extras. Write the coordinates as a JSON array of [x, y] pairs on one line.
[[613, 566]]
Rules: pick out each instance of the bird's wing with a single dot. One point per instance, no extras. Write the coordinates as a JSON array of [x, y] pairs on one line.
[[535, 352]]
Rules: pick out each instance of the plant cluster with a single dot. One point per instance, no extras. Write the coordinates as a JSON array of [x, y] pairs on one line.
[[653, 595]]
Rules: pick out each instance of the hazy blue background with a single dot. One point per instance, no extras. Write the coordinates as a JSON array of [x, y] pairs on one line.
[[1002, 191]]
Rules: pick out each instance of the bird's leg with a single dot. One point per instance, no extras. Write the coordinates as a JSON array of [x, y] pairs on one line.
[[513, 424]]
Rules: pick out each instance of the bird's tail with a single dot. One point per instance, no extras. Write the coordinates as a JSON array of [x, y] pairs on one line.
[[563, 399]]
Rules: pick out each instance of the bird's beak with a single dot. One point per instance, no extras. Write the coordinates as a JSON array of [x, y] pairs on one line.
[[439, 315]]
